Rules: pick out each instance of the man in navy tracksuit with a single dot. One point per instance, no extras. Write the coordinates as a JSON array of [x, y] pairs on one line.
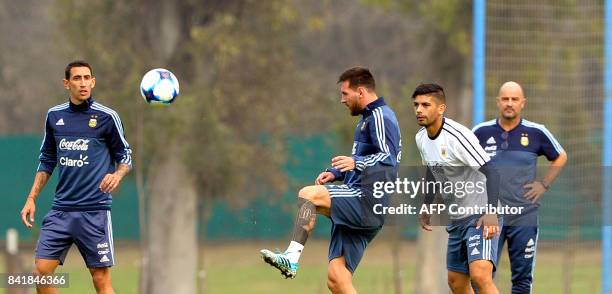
[[375, 157], [515, 144], [86, 141]]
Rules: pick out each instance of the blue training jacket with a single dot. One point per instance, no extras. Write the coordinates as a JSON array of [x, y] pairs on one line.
[[87, 141], [516, 153], [377, 142]]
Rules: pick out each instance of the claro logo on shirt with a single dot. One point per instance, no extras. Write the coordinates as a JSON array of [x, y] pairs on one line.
[[78, 145], [67, 161]]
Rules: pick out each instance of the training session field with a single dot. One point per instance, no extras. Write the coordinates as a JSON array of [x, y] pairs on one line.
[[236, 267]]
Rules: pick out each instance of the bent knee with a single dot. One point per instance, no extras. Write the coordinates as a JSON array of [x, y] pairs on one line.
[[314, 194], [308, 192]]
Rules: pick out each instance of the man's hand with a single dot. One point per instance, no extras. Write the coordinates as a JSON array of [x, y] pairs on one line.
[[535, 191], [424, 220], [27, 213], [110, 182], [343, 163], [491, 226], [325, 177]]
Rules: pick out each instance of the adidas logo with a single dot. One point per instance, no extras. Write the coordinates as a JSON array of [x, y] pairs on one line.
[[491, 140], [529, 249], [60, 122], [104, 259], [475, 251]]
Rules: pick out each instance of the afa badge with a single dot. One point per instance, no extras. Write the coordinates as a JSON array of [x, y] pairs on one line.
[[93, 122], [524, 140], [363, 126], [443, 151]]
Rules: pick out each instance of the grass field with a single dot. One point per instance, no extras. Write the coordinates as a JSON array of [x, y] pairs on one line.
[[235, 267]]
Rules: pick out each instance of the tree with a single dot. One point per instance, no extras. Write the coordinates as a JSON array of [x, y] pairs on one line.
[[28, 86]]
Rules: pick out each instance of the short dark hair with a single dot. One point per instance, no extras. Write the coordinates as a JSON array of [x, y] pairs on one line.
[[433, 90], [76, 63], [358, 76]]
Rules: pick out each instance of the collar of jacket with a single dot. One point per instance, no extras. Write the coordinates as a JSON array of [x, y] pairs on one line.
[[83, 106], [373, 105]]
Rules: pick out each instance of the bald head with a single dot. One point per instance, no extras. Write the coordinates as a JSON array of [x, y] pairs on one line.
[[510, 101], [511, 89]]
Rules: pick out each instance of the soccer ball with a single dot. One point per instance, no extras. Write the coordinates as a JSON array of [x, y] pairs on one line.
[[159, 86]]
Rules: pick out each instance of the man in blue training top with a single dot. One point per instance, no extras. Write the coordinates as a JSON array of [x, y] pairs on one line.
[[87, 140], [375, 156], [515, 144]]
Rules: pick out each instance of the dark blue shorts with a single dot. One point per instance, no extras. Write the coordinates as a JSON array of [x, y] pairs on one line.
[[467, 244], [349, 234], [91, 231]]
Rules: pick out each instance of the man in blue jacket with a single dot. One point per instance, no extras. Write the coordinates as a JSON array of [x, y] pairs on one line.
[[515, 144], [86, 140], [375, 156]]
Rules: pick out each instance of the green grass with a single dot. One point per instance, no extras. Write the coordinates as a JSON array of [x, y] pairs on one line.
[[371, 279], [125, 280], [237, 268]]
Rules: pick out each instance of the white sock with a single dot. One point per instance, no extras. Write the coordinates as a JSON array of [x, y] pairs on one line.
[[294, 251]]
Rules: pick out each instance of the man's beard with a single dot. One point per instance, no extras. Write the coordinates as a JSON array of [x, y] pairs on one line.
[[354, 111], [510, 116]]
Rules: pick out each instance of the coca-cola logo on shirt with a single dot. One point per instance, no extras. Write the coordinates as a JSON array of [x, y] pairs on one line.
[[78, 145]]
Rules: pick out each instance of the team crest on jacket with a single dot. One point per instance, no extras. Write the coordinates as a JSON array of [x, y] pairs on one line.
[[93, 122], [443, 151], [524, 140]]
